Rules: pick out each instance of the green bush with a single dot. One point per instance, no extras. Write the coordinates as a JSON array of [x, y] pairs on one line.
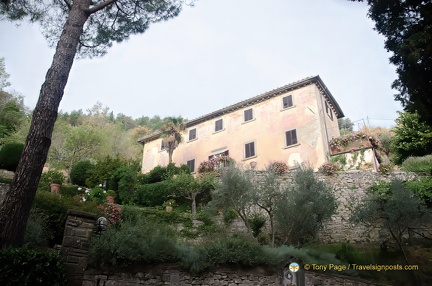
[[103, 171], [21, 266], [257, 222], [159, 173], [418, 164], [125, 181], [37, 232], [96, 195], [80, 172], [130, 243], [422, 188], [10, 155], [152, 195], [71, 190], [55, 207]]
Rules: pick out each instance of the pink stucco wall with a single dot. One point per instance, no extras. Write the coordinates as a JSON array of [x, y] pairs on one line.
[[267, 129]]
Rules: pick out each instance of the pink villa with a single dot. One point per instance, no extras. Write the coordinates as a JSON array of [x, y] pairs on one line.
[[292, 124]]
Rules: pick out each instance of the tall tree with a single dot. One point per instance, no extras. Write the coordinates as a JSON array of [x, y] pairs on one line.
[[407, 28], [77, 26], [411, 137], [3, 75], [172, 128]]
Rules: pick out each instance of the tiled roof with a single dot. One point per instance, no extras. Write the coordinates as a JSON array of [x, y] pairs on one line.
[[262, 97]]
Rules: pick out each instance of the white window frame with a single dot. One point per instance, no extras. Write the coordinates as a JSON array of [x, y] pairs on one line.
[[292, 102], [296, 137], [244, 115], [222, 127], [189, 134], [254, 149]]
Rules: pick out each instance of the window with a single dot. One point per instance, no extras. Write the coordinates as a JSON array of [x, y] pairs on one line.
[[248, 115], [287, 101], [218, 125], [191, 165], [249, 150], [163, 145], [225, 153], [328, 110], [192, 134], [291, 137]]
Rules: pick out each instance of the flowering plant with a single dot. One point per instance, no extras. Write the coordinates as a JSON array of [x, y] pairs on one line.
[[328, 168], [214, 164], [113, 212], [279, 168], [345, 140]]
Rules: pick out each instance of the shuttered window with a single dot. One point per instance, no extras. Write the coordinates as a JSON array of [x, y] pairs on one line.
[[192, 134], [287, 101], [191, 165], [291, 137], [218, 125], [249, 150], [248, 114]]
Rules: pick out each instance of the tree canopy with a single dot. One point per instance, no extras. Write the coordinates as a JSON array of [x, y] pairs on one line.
[[407, 26], [82, 27]]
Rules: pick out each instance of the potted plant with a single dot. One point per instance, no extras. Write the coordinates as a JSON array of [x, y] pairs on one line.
[[169, 205], [55, 179]]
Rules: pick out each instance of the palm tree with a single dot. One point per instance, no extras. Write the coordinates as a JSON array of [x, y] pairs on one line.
[[171, 129]]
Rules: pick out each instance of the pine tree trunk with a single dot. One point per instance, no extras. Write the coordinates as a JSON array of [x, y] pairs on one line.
[[15, 208]]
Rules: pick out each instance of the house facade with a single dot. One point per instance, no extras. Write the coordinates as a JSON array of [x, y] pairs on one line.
[[292, 124]]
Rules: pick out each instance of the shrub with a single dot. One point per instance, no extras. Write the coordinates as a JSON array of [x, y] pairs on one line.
[[113, 212], [54, 208], [216, 250], [152, 195], [418, 164], [257, 222], [97, 195], [21, 266], [103, 171], [422, 188], [10, 155], [328, 168], [385, 169], [71, 190], [37, 232], [143, 242], [125, 180], [80, 172]]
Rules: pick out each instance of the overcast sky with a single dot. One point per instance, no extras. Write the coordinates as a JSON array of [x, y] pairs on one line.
[[218, 53]]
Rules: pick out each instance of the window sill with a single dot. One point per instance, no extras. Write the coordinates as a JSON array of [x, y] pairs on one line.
[[248, 158], [291, 107], [218, 131], [253, 119], [192, 140], [290, 146]]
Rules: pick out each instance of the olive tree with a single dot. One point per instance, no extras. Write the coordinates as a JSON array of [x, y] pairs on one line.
[[304, 207]]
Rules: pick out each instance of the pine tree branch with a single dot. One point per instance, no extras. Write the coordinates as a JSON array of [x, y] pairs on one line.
[[102, 5]]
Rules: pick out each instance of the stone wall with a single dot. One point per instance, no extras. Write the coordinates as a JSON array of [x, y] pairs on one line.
[[169, 274], [349, 188]]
